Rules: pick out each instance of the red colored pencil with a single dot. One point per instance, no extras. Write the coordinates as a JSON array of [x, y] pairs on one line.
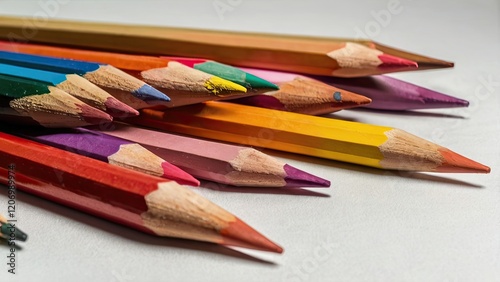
[[138, 200]]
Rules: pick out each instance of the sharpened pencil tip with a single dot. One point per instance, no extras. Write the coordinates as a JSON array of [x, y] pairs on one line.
[[221, 87], [7, 230], [239, 234], [454, 162], [393, 61], [149, 93], [172, 172], [258, 83], [93, 115], [119, 109], [298, 178]]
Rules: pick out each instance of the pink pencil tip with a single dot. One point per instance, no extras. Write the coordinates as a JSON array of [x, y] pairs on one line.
[[172, 172], [298, 178], [393, 61]]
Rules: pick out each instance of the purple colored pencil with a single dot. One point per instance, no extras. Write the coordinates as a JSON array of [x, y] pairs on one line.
[[109, 149], [389, 93]]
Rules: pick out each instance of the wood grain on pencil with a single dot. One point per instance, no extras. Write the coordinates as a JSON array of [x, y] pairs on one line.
[[218, 162], [370, 145], [29, 102], [109, 149], [318, 56], [144, 202], [184, 85]]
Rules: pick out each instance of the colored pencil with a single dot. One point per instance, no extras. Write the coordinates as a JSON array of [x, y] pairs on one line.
[[183, 84], [30, 102], [141, 201], [109, 149], [309, 55], [218, 162], [225, 71], [389, 93], [121, 85], [306, 96], [74, 85], [10, 230], [364, 144]]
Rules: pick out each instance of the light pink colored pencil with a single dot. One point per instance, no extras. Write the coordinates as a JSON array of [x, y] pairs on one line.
[[218, 162]]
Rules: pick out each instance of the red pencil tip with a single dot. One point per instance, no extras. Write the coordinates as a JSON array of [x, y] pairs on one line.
[[454, 162], [119, 109], [93, 115], [172, 172], [239, 234], [393, 61]]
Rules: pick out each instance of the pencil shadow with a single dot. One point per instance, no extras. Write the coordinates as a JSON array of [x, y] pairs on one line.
[[408, 113], [260, 190], [420, 176], [5, 244], [134, 235]]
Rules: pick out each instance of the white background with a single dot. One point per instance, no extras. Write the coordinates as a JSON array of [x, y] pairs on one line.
[[370, 225]]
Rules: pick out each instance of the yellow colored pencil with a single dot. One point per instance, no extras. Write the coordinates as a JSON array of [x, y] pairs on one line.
[[364, 144]]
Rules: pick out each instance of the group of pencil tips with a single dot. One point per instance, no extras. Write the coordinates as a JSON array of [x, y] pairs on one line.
[[185, 113]]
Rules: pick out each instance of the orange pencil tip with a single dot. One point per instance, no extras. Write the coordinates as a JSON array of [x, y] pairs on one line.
[[393, 61], [454, 162], [239, 234]]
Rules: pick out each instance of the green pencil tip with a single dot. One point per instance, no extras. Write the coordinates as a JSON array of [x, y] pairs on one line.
[[235, 75], [257, 82], [7, 230]]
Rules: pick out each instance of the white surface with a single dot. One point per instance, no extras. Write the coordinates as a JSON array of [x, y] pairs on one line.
[[370, 225]]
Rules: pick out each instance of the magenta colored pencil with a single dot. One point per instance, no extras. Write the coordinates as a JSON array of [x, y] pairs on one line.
[[109, 149], [387, 93]]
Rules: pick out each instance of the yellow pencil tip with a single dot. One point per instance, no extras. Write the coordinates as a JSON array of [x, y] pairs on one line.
[[222, 87]]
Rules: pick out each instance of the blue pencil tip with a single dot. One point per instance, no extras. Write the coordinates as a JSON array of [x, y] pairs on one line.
[[148, 93]]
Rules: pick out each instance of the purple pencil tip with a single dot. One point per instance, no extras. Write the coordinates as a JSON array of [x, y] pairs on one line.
[[298, 178]]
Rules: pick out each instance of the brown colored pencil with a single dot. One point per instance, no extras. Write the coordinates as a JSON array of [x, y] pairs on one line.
[[309, 55]]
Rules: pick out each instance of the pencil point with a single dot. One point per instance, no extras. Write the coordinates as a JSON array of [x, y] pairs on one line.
[[220, 86], [93, 115], [393, 61], [6, 230], [239, 234], [148, 93], [454, 162], [119, 109], [257, 82], [172, 172], [298, 178]]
